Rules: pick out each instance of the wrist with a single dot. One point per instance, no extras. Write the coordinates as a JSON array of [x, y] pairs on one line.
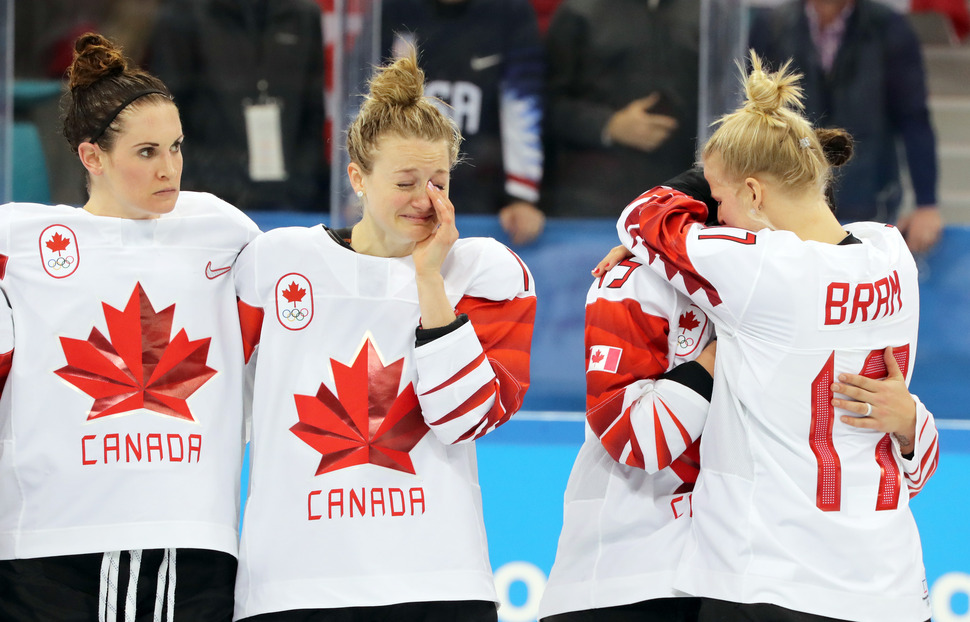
[[906, 443]]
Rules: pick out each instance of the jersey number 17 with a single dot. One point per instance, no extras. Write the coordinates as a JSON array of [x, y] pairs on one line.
[[828, 495]]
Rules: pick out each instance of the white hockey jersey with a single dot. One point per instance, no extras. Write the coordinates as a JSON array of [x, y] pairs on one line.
[[628, 500], [793, 507], [364, 485], [121, 421]]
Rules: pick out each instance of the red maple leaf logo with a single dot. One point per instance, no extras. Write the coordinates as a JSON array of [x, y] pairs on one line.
[[597, 357], [294, 293], [57, 243], [139, 367], [367, 422], [688, 321]]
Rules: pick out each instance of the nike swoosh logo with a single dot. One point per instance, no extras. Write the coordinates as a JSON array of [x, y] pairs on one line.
[[480, 63], [214, 273]]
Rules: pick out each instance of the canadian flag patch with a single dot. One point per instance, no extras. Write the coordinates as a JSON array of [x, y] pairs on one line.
[[604, 358]]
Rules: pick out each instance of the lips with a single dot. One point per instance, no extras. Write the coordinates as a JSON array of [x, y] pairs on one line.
[[418, 219]]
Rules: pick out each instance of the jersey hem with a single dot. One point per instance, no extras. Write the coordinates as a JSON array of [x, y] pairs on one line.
[[811, 599], [122, 537]]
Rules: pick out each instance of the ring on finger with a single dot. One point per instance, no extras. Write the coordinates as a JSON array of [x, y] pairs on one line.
[[868, 410]]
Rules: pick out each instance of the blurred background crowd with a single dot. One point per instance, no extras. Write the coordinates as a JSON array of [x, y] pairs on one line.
[[569, 108]]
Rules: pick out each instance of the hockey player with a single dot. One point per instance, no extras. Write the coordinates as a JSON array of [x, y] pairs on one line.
[[121, 426], [384, 351], [799, 509], [628, 500]]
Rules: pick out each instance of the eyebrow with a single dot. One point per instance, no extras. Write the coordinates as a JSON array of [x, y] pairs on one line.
[[414, 169], [153, 144]]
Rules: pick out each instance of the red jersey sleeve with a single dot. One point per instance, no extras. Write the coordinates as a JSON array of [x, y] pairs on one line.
[[920, 468], [251, 325], [642, 419], [657, 224], [474, 379]]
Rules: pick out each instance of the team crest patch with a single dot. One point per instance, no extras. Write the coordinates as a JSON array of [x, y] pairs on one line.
[[58, 251], [604, 358], [690, 330], [294, 301]]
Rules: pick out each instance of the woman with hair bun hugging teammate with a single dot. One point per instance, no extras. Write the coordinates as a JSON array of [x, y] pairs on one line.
[[384, 351], [800, 507], [628, 504], [121, 421]]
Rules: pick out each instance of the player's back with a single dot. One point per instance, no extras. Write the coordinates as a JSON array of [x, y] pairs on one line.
[[823, 525]]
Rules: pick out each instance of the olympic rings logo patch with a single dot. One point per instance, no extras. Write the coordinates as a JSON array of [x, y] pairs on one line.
[[294, 301], [691, 327], [59, 251]]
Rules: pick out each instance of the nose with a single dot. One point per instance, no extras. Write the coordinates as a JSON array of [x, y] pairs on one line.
[[421, 199], [168, 166]]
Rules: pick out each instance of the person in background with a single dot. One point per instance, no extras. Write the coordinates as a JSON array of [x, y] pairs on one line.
[[622, 97], [483, 59], [121, 421], [863, 71], [248, 77], [381, 352]]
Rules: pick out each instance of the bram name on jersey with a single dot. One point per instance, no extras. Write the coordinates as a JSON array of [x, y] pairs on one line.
[[851, 303]]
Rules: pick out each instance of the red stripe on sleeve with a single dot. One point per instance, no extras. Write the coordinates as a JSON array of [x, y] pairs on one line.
[[251, 325], [504, 328], [6, 360], [661, 222]]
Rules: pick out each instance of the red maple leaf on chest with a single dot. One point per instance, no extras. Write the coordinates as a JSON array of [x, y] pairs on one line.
[[367, 422], [57, 243], [141, 365], [597, 357]]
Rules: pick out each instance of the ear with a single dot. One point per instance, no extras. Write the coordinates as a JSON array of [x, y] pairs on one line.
[[91, 156], [754, 192], [356, 176]]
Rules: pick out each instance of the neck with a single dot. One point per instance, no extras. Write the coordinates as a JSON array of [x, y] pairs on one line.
[[367, 239], [812, 221], [107, 208], [829, 10]]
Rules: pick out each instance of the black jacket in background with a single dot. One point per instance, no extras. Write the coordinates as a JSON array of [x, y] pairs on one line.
[[213, 54]]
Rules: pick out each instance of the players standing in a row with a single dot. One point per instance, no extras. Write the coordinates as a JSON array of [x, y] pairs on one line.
[[800, 505], [121, 432], [382, 352]]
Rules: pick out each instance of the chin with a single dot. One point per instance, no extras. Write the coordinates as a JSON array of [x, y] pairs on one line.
[[165, 203], [421, 232]]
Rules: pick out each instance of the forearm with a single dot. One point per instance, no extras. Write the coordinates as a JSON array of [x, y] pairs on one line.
[[436, 309]]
